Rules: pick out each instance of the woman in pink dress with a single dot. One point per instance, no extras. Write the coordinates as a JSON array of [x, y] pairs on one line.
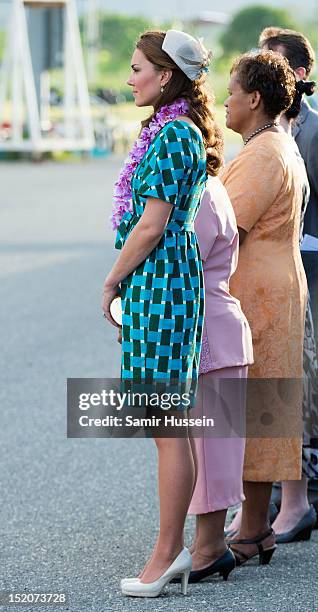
[[226, 353]]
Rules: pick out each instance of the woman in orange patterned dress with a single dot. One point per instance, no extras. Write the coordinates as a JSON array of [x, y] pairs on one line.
[[265, 188]]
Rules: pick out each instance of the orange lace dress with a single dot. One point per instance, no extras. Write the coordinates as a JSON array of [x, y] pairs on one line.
[[265, 188]]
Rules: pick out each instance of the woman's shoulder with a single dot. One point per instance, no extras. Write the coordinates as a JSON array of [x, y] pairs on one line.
[[268, 144], [177, 138], [262, 160], [266, 149], [216, 190], [282, 151], [181, 129], [218, 198]]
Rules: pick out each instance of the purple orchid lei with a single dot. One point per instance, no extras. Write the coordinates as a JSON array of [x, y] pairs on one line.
[[122, 190]]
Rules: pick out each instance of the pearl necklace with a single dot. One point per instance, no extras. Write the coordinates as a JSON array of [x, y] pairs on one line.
[[261, 129]]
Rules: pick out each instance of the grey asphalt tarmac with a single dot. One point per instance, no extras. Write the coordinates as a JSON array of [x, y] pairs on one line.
[[76, 515]]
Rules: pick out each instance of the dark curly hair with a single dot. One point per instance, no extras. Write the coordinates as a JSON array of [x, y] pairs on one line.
[[200, 100], [271, 75]]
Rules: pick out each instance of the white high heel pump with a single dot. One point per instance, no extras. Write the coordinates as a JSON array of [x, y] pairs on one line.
[[181, 565]]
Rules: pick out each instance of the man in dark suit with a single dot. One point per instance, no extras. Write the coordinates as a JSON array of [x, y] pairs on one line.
[[305, 133], [300, 54]]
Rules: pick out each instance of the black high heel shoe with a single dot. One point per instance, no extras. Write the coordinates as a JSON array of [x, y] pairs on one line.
[[265, 554], [301, 531], [223, 566]]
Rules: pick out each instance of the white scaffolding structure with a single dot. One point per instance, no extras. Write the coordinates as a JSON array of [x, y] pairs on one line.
[[17, 86]]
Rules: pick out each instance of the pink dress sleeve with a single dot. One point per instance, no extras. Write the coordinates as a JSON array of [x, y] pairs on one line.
[[205, 224], [206, 229], [206, 363]]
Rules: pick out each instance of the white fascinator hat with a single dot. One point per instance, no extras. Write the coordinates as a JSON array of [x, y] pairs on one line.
[[187, 52]]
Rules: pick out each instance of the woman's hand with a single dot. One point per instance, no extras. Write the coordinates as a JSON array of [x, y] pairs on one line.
[[109, 293]]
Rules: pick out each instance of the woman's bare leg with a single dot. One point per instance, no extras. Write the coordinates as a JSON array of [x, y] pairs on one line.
[[294, 505], [255, 520], [209, 543], [195, 460], [236, 521], [176, 482]]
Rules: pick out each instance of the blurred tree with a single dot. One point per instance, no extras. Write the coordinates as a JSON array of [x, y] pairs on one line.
[[116, 43], [310, 29], [118, 34], [242, 33], [2, 43]]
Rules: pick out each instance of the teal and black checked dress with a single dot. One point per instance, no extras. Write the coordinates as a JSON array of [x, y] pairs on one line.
[[163, 299]]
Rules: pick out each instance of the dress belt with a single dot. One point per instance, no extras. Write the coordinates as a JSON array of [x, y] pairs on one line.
[[130, 219]]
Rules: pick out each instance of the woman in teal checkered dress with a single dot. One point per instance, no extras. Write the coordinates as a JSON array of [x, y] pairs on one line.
[[162, 299], [159, 272]]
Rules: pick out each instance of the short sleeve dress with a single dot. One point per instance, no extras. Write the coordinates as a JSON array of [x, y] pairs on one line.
[[163, 299]]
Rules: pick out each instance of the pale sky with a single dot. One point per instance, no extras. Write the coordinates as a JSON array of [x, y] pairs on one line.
[[172, 9], [190, 8]]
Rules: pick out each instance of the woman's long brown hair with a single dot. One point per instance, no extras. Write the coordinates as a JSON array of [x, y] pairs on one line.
[[200, 100]]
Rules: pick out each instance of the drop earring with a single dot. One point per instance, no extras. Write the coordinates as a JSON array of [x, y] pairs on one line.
[[162, 88]]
